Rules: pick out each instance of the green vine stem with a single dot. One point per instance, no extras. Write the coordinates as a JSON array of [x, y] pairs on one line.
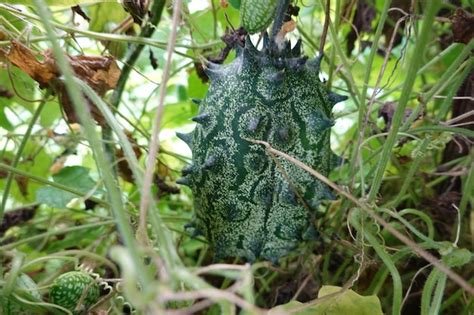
[[112, 37], [103, 165], [135, 51], [363, 110], [19, 153], [355, 217]]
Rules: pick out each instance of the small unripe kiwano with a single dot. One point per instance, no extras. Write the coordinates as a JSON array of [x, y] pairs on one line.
[[256, 15], [68, 289]]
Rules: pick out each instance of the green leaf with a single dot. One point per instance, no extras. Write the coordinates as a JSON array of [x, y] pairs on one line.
[[235, 3], [50, 114], [348, 302], [80, 238], [230, 15], [178, 114], [196, 88], [22, 86], [203, 26], [76, 177], [457, 257], [4, 122], [105, 16]]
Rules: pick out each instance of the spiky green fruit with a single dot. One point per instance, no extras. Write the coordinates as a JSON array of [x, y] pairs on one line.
[[248, 203], [70, 289], [256, 15]]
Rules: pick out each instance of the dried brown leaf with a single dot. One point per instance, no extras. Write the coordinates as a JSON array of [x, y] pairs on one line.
[[462, 26], [362, 22], [99, 72], [137, 9], [78, 10], [5, 92], [122, 164], [388, 110], [22, 183], [22, 57], [393, 17], [17, 217]]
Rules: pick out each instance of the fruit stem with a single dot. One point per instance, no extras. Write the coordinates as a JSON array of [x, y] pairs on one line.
[[278, 23]]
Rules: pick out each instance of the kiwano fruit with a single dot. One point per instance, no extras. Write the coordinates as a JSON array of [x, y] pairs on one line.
[[68, 289], [248, 203], [256, 15]]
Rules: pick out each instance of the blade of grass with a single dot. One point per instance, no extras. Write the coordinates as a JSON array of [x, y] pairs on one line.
[[363, 109], [165, 238], [103, 165], [154, 144], [428, 289], [413, 67]]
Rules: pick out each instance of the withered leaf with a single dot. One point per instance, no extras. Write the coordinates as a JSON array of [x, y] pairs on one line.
[[77, 9], [136, 8], [3, 35], [22, 183], [159, 179], [122, 164], [5, 93], [153, 60], [393, 17], [22, 57], [462, 26], [3, 173], [16, 217], [99, 72], [163, 187], [362, 22], [388, 110]]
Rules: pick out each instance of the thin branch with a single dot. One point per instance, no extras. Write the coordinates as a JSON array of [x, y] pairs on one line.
[[212, 294], [327, 18], [154, 145], [423, 253]]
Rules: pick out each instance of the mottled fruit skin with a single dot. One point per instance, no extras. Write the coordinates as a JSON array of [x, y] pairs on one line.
[[68, 288], [246, 203], [256, 15]]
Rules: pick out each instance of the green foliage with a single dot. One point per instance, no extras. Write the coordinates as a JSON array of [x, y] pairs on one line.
[[347, 302], [75, 177], [416, 173], [235, 3]]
